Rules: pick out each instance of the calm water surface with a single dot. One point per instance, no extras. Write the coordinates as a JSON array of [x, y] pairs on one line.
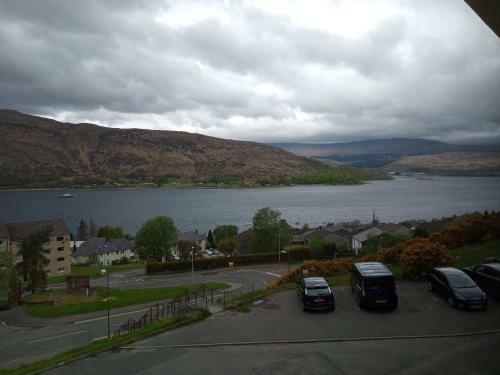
[[396, 200]]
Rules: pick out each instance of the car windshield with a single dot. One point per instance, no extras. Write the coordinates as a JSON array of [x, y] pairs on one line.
[[461, 281], [318, 291]]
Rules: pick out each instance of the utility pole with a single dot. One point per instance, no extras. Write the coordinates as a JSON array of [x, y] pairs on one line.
[[279, 243]]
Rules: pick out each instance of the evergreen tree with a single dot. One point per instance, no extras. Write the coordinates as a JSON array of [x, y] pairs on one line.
[[34, 259], [210, 239], [92, 229], [83, 231]]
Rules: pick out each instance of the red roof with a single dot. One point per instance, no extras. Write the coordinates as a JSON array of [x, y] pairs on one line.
[[19, 231]]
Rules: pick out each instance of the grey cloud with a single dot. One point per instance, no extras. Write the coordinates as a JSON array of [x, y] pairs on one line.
[[110, 60]]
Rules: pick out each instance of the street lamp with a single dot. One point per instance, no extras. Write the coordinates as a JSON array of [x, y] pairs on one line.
[[192, 263], [279, 243], [105, 272]]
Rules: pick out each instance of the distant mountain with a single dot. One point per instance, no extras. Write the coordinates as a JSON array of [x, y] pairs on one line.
[[36, 151], [394, 146]]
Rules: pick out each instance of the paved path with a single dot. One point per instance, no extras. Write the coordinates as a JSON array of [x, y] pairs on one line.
[[46, 337]]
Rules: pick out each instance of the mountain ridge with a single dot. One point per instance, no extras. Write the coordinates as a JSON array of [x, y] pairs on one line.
[[38, 149]]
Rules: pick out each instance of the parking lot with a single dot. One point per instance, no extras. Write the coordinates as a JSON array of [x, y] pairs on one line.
[[280, 318]]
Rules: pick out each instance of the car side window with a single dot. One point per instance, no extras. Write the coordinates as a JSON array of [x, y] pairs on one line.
[[479, 269]]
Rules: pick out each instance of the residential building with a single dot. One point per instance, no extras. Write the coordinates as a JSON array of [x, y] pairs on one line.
[[341, 238], [58, 247], [360, 238], [200, 238], [103, 251], [397, 230]]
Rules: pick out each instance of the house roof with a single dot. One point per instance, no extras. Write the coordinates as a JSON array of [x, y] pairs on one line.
[[19, 231], [4, 231], [100, 245], [367, 234], [191, 236], [392, 227]]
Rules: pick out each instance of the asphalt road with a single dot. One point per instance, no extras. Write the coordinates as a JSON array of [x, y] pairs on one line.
[[280, 318], [20, 344]]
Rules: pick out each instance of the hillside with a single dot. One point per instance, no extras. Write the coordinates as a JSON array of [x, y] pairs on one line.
[[464, 163], [398, 146], [406, 154], [39, 152]]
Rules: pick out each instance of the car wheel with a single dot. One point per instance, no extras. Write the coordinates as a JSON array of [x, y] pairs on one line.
[[430, 286], [360, 303], [451, 302]]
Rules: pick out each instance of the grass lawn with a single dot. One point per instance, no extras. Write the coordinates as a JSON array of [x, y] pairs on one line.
[[73, 304], [476, 254], [93, 271]]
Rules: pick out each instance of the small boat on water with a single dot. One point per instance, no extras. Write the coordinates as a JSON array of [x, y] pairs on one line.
[[66, 195]]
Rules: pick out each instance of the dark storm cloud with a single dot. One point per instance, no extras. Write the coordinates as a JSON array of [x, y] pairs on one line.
[[252, 74]]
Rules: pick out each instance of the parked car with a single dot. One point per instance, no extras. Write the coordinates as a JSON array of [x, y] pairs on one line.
[[374, 285], [315, 294], [487, 277], [458, 288]]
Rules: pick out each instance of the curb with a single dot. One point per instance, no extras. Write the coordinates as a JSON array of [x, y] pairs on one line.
[[314, 341]]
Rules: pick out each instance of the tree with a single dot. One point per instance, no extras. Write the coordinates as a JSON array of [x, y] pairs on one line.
[[317, 245], [185, 247], [421, 232], [34, 259], [9, 277], [108, 232], [329, 249], [155, 238], [224, 231], [92, 229], [270, 231], [228, 245], [210, 240], [83, 231]]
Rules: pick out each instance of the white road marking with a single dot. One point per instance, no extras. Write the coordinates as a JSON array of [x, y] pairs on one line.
[[267, 273], [56, 337], [106, 317]]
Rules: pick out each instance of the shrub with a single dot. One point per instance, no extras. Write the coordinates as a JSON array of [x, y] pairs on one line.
[[421, 255], [317, 268], [299, 252], [211, 262]]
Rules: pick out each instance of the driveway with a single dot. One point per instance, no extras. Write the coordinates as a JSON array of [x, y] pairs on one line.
[[280, 318]]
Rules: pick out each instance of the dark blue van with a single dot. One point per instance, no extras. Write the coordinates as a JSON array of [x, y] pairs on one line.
[[374, 285]]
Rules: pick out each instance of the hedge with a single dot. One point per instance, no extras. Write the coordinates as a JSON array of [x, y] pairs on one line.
[[211, 263]]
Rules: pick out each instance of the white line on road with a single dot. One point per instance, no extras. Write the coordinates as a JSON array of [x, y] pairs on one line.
[[55, 337], [267, 273], [111, 316]]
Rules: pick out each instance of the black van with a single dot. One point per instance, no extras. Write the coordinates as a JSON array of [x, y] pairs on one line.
[[374, 285]]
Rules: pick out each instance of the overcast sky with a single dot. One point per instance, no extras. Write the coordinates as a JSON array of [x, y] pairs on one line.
[[265, 70]]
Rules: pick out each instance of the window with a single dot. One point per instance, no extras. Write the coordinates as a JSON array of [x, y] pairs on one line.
[[60, 249], [60, 238], [60, 259], [60, 270]]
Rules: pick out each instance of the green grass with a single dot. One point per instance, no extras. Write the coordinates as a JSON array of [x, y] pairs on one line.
[[343, 279], [468, 256], [93, 271], [118, 298], [102, 345]]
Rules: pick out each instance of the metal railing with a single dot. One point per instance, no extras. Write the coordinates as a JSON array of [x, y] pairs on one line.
[[159, 311]]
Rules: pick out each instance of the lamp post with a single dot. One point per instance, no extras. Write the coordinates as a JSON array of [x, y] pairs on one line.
[[192, 263], [105, 272], [279, 243]]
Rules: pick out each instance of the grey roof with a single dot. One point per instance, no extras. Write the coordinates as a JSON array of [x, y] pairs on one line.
[[191, 236], [392, 227], [367, 234], [99, 245], [19, 231]]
